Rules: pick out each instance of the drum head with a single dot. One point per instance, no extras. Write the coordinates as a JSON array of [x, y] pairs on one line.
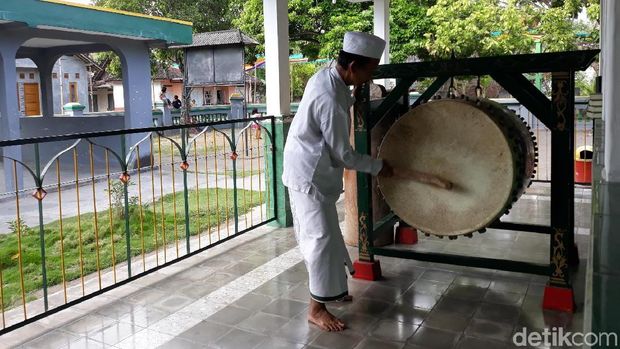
[[457, 141]]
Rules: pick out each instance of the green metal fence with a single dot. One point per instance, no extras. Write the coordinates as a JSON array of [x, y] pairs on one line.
[[109, 207]]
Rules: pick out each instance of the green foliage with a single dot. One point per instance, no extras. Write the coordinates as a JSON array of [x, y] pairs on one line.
[[316, 28], [117, 195], [111, 61], [300, 74], [345, 17], [584, 84], [557, 30], [492, 27], [408, 24], [251, 21], [477, 28], [427, 29], [206, 15]]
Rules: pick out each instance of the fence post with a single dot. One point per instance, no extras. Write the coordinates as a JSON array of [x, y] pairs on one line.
[[279, 207], [184, 167], [39, 195], [125, 181], [235, 187]]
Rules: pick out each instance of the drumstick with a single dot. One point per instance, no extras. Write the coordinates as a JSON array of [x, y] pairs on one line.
[[422, 177]]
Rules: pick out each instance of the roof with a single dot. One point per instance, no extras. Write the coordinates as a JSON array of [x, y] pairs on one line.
[[222, 37], [171, 73], [65, 16]]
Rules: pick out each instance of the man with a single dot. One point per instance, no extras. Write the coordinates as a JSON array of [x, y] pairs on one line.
[[316, 152], [176, 103], [164, 98]]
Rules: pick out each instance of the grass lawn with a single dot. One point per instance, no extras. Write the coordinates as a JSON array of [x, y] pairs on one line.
[[229, 173], [83, 246]]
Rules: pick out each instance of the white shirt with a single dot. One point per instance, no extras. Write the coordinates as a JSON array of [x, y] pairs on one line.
[[317, 148]]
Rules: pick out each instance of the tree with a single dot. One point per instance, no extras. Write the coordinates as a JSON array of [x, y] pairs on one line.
[[251, 21], [408, 24], [316, 28], [469, 28], [557, 30], [300, 74], [313, 25], [346, 17], [493, 27], [206, 15]]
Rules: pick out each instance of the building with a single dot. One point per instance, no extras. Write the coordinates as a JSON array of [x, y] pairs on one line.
[[70, 82], [44, 31], [219, 60]]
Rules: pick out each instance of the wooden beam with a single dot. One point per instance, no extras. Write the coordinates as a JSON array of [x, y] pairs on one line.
[[529, 63], [389, 102], [528, 95], [431, 90]]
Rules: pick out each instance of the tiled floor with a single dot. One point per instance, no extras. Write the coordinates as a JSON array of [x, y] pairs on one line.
[[251, 293]]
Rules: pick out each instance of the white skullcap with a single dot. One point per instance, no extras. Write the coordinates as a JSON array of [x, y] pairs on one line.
[[363, 44]]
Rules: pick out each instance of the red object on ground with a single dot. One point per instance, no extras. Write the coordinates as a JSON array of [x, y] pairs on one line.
[[367, 270], [406, 235], [583, 171], [559, 298]]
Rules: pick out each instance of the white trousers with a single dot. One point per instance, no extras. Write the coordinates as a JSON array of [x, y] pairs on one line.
[[320, 240]]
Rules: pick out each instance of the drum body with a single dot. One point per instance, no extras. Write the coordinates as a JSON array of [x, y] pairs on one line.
[[483, 148]]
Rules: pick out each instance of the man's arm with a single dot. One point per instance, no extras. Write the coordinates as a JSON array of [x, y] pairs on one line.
[[334, 126]]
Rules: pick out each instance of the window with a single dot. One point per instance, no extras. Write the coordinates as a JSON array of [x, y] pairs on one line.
[[95, 99], [220, 97], [208, 95], [54, 75], [31, 76], [73, 92], [77, 75], [22, 75], [66, 75], [110, 102]]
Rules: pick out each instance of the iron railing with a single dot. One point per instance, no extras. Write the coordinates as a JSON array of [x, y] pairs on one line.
[[583, 131], [105, 208]]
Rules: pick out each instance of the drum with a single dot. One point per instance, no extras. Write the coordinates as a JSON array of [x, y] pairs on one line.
[[483, 148]]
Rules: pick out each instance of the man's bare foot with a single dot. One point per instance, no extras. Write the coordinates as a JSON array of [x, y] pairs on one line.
[[326, 321], [320, 316]]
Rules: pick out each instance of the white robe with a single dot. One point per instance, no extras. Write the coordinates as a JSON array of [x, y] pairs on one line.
[[316, 152]]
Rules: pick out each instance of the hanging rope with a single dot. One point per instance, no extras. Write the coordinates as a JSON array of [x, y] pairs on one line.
[[452, 89]]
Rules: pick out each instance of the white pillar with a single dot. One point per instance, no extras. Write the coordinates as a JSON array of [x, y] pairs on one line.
[[610, 71], [381, 24], [381, 21], [9, 112], [276, 57]]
